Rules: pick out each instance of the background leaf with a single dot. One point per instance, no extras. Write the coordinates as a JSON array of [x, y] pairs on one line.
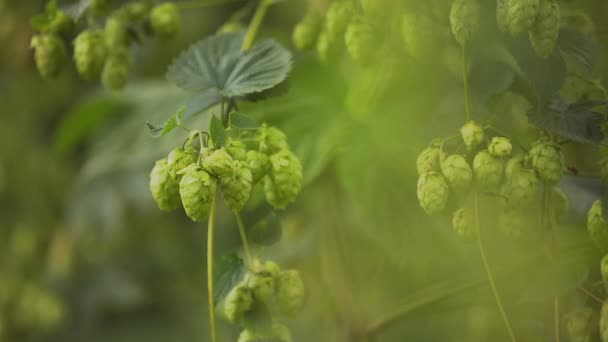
[[228, 270], [243, 121], [217, 132]]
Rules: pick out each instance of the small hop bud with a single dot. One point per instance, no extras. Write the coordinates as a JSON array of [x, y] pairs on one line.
[[165, 20], [49, 53], [543, 35], [463, 223], [164, 189], [361, 41], [178, 160], [521, 15], [512, 223], [429, 160], [284, 180], [237, 188], [520, 188], [604, 270], [597, 227], [290, 292], [116, 31], [237, 302], [502, 9], [500, 147], [559, 203], [337, 18], [514, 165], [219, 163], [279, 333], [547, 160], [488, 170], [307, 30], [61, 23], [472, 134], [464, 17], [433, 192], [458, 173], [236, 149], [258, 164], [116, 71], [197, 190], [271, 140], [90, 54]]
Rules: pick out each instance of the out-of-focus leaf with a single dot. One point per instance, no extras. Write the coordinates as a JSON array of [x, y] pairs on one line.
[[267, 231], [174, 121], [217, 132], [197, 104], [278, 90], [228, 270], [78, 9], [578, 45], [258, 320], [42, 21], [242, 121]]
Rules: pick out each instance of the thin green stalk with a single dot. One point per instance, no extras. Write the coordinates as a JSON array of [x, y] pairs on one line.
[[254, 25], [210, 290], [556, 317], [201, 4], [239, 222], [465, 76], [486, 265]]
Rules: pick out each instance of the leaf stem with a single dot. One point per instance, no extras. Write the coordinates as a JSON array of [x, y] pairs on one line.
[[210, 289], [254, 25], [465, 77], [486, 265], [200, 4], [243, 233]]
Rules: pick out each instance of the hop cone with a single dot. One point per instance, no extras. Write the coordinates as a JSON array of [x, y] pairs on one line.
[[178, 159], [271, 140], [117, 69], [49, 53], [512, 223], [604, 269], [514, 165], [433, 192], [197, 189], [337, 18], [99, 7], [463, 224], [502, 9], [219, 163], [237, 302], [305, 33], [419, 45], [543, 35], [279, 333], [236, 149], [520, 188], [547, 160], [258, 164], [464, 17], [284, 181], [521, 15], [262, 282], [290, 293], [116, 33], [488, 170], [559, 203], [325, 47], [136, 11], [360, 40], [500, 147], [472, 134], [597, 227], [164, 189], [458, 173], [237, 188], [90, 54], [165, 20], [62, 24], [604, 322], [429, 159]]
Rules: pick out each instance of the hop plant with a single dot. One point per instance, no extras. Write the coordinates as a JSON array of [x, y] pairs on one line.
[[90, 53], [61, 23], [488, 170], [116, 71], [429, 159], [547, 160], [165, 20], [237, 302], [236, 189], [179, 159], [512, 223], [473, 135], [521, 15], [307, 30], [236, 149], [279, 333], [520, 188], [337, 18], [360, 40], [419, 45], [597, 227], [543, 35], [433, 192], [290, 292], [458, 173], [49, 53], [559, 203], [464, 17], [502, 9], [500, 147], [463, 223], [262, 282], [136, 11], [219, 163], [271, 140], [197, 190], [116, 34], [258, 164], [514, 165], [164, 189], [284, 180]]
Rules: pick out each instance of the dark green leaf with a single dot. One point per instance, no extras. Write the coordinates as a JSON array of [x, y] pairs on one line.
[[242, 121], [217, 131], [228, 271], [579, 45], [267, 231]]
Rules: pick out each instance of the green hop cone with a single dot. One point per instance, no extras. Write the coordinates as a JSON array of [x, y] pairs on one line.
[[279, 333], [100, 7], [305, 33], [547, 160], [604, 322], [236, 149], [500, 147], [559, 203], [429, 160], [179, 159], [165, 20], [136, 11], [271, 139], [488, 170], [258, 165], [514, 165], [197, 190], [219, 163], [502, 9], [90, 53], [464, 17], [290, 292], [543, 35], [597, 227], [284, 180], [472, 134], [433, 192], [236, 189], [463, 224], [337, 18], [116, 31], [458, 173], [580, 322], [521, 15], [325, 48], [604, 270], [237, 302], [61, 23], [512, 223], [520, 188], [262, 282], [116, 71], [361, 41], [49, 53], [419, 45], [164, 189]]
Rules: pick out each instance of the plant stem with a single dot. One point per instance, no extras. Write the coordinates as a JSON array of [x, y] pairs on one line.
[[210, 290], [556, 317], [465, 77], [486, 265], [239, 222], [254, 25], [200, 4]]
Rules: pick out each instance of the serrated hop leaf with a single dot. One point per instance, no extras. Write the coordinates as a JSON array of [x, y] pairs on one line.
[[433, 192], [219, 163], [305, 33], [90, 53], [500, 147], [49, 53], [543, 35], [361, 41], [604, 321], [428, 160], [136, 11], [515, 164], [521, 15], [178, 160], [279, 333], [284, 180], [560, 204], [166, 20], [116, 71], [463, 224], [271, 140], [290, 293], [547, 160], [604, 270], [597, 227], [197, 190], [580, 322], [512, 223], [337, 18], [458, 173], [420, 35], [464, 17], [237, 302], [262, 282], [488, 170], [472, 134], [502, 9], [236, 189], [164, 189], [236, 149], [520, 188], [116, 31], [258, 164], [61, 23]]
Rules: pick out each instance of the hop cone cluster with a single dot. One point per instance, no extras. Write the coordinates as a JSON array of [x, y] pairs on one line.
[[520, 188], [237, 302], [116, 31], [290, 292], [237, 188], [117, 68], [433, 192], [500, 147], [521, 15], [464, 17], [50, 54], [458, 173], [165, 20], [219, 163], [271, 140], [488, 170], [178, 159], [237, 150], [547, 160], [428, 160], [545, 31], [284, 180], [472, 134], [197, 189], [90, 53], [164, 189]]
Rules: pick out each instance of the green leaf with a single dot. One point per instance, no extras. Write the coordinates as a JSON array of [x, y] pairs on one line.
[[217, 132], [228, 271], [242, 121], [174, 121], [267, 231]]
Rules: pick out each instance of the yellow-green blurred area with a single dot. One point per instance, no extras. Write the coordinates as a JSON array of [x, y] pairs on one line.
[[85, 254]]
